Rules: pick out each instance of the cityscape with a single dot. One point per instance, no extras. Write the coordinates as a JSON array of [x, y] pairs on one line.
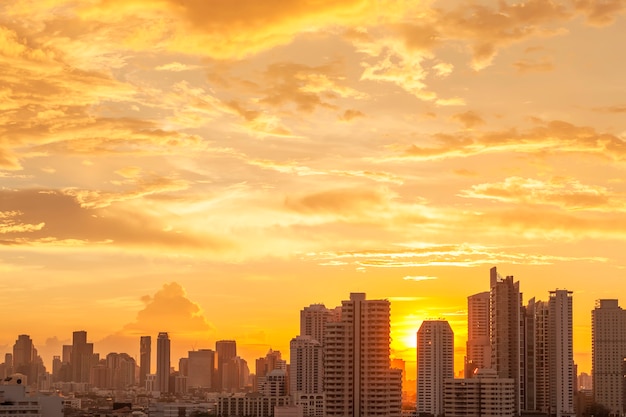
[[332, 208], [519, 360]]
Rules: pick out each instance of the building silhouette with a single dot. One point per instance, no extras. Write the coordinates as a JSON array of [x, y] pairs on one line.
[[163, 363], [435, 364], [201, 368], [82, 357], [145, 352], [357, 376]]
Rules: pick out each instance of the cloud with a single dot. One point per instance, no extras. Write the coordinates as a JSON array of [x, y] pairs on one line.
[[469, 119], [343, 202], [546, 137], [525, 66], [168, 310], [418, 278], [559, 191], [457, 255], [64, 221]]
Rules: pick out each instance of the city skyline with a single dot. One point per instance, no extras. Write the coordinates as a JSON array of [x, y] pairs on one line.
[[207, 168], [133, 345]]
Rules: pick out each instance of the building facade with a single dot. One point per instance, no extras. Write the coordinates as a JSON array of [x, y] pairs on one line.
[[435, 364], [358, 378]]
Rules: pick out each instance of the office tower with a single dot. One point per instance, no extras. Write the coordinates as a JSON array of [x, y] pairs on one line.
[[482, 395], [24, 355], [312, 321], [357, 376], [120, 371], [81, 358], [183, 367], [560, 352], [226, 352], [145, 351], [163, 363], [201, 368], [8, 364], [478, 345], [538, 388], [608, 333], [435, 364], [306, 366], [505, 331]]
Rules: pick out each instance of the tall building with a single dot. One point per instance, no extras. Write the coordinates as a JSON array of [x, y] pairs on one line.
[[505, 331], [81, 358], [560, 353], [306, 366], [358, 378], [312, 321], [478, 345], [483, 395], [226, 353], [145, 352], [435, 364], [608, 333], [24, 355], [163, 363], [201, 368]]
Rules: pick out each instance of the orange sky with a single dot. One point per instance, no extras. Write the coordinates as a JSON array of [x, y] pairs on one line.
[[208, 168]]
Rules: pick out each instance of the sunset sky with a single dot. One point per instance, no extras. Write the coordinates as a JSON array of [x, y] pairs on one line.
[[209, 167]]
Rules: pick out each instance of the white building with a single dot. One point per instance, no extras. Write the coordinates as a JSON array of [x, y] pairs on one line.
[[306, 370], [435, 364], [486, 395], [608, 330], [249, 405], [357, 376], [14, 401]]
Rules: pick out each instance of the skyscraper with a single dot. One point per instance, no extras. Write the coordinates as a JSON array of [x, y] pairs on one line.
[[163, 363], [608, 333], [24, 355], [478, 345], [561, 355], [505, 331], [357, 375], [226, 354], [435, 364], [312, 321], [201, 368], [306, 366], [145, 351], [81, 358]]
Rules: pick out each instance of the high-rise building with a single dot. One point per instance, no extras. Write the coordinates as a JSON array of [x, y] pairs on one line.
[[145, 352], [312, 321], [505, 331], [435, 364], [226, 353], [24, 355], [478, 345], [306, 366], [608, 333], [81, 358], [201, 368], [560, 353], [480, 396], [163, 363], [358, 378]]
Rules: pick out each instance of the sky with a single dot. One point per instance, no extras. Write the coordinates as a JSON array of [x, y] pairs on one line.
[[208, 168]]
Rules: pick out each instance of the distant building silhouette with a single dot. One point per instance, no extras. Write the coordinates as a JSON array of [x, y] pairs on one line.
[[82, 357], [163, 363], [145, 352], [202, 368]]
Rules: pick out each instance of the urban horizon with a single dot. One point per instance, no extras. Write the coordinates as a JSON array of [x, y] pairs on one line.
[[407, 353]]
